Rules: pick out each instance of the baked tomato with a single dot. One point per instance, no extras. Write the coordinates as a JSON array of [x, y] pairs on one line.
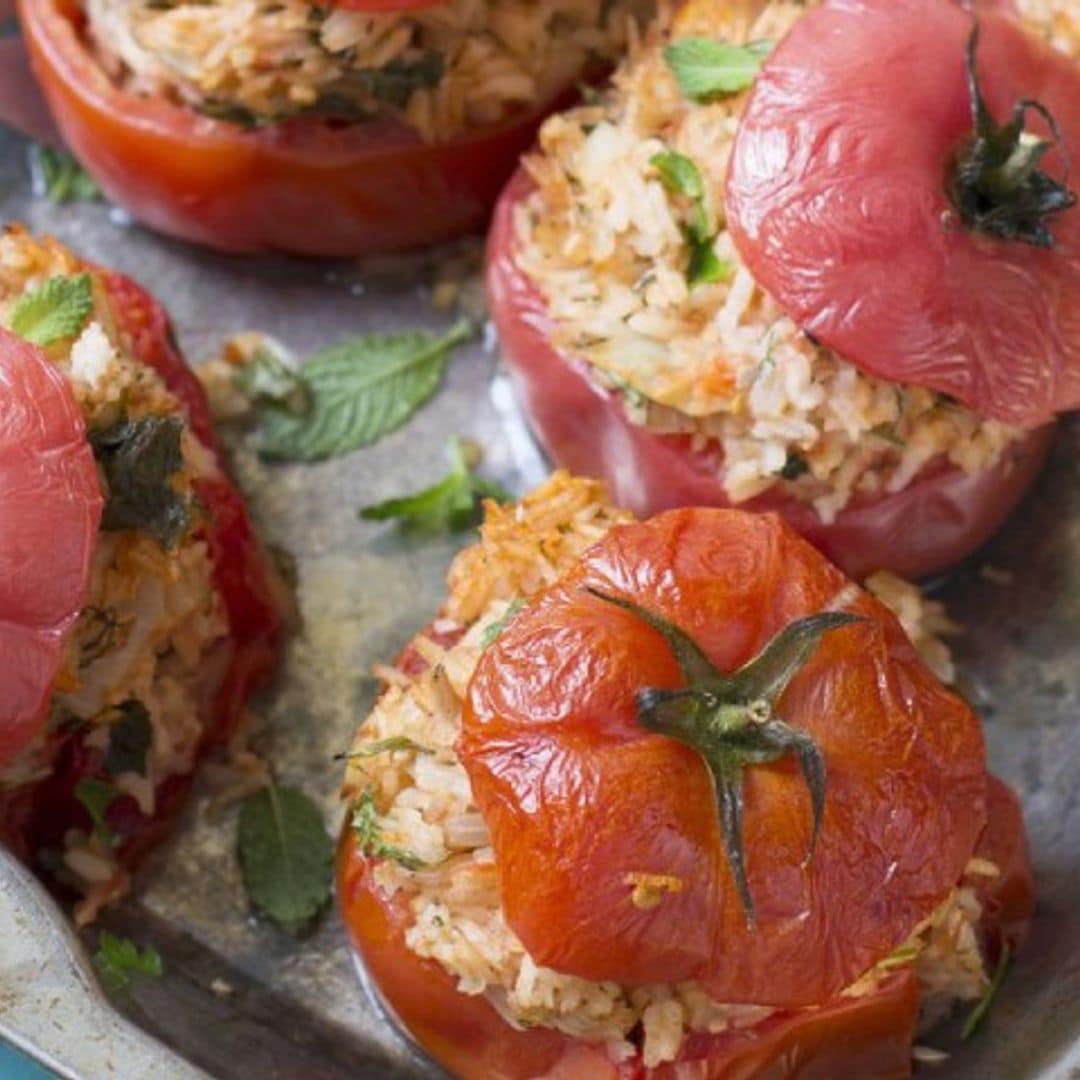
[[563, 755], [306, 186], [51, 510], [883, 190], [941, 516]]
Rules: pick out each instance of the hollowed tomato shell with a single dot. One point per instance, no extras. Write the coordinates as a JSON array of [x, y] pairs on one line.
[[943, 515]]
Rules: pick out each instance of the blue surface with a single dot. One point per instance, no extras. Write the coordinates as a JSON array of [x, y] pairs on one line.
[[16, 1066]]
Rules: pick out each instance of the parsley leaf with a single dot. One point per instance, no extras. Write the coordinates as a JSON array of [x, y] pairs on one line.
[[96, 797], [56, 310], [982, 1006], [454, 503], [139, 458], [265, 377], [706, 69], [117, 959], [493, 630], [130, 738], [361, 389], [365, 823], [285, 855], [60, 177]]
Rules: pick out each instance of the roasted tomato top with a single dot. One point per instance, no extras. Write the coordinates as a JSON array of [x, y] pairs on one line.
[[51, 510], [875, 193], [610, 849]]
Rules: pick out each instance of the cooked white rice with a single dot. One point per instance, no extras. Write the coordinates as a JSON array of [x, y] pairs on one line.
[[459, 65], [153, 618], [425, 808], [604, 242]]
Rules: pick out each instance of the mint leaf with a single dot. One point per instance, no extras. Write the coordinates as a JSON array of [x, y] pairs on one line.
[[454, 503], [365, 823], [681, 176], [704, 266], [96, 796], [56, 310], [60, 177], [265, 377], [285, 855], [361, 389], [706, 69], [117, 959], [130, 738]]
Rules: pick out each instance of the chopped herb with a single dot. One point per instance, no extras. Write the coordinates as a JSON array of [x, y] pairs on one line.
[[795, 466], [384, 746], [130, 738], [60, 177], [56, 310], [493, 630], [454, 503], [118, 959], [706, 69], [705, 267], [139, 459], [229, 113], [96, 797], [396, 81], [982, 1007], [265, 377], [285, 855], [365, 823], [101, 632], [361, 389]]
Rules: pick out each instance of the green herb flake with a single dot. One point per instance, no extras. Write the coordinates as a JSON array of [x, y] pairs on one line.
[[706, 69], [56, 310], [982, 1007], [384, 746], [795, 466], [452, 504], [286, 856], [361, 389], [118, 959], [398, 80], [265, 377], [130, 738], [139, 459], [96, 797], [365, 823], [62, 178], [494, 629]]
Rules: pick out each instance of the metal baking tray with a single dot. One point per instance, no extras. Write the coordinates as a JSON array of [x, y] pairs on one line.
[[239, 998]]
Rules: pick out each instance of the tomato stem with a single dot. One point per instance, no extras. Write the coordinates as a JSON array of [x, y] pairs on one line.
[[994, 182], [731, 720]]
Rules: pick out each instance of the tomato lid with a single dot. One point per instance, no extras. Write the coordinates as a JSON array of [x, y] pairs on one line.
[[50, 508], [838, 200]]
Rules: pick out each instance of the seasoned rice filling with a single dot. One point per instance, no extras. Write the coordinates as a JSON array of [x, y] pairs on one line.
[[148, 646], [436, 847], [609, 247], [458, 65]]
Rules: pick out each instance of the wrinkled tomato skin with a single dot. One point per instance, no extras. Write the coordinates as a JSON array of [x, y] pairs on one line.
[[304, 186], [567, 779], [836, 202], [941, 517]]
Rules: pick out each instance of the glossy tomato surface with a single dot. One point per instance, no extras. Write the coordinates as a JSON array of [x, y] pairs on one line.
[[304, 186], [837, 202], [569, 781], [51, 511], [939, 518]]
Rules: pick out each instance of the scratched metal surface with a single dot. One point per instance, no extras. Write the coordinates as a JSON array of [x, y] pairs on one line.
[[294, 1007]]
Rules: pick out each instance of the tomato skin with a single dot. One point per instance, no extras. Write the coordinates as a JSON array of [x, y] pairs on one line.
[[559, 764], [51, 511], [836, 203], [929, 526], [303, 186]]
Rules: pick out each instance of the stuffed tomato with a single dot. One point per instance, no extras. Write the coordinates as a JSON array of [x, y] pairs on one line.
[[673, 795], [708, 292], [312, 128], [136, 610]]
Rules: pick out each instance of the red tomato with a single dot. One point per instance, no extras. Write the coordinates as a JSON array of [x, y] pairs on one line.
[[51, 510], [938, 519], [837, 203], [559, 763], [306, 186]]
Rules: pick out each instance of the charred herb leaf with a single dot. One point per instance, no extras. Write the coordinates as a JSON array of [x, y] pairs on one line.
[[60, 177], [365, 823], [396, 81], [139, 458], [706, 69], [56, 310], [130, 738], [453, 504], [795, 466], [119, 959], [96, 796]]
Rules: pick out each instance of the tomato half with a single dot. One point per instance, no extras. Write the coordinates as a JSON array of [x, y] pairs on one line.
[[939, 518], [558, 762], [837, 201], [305, 186], [51, 511]]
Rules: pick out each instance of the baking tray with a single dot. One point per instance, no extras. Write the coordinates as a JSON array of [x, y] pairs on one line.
[[239, 998]]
